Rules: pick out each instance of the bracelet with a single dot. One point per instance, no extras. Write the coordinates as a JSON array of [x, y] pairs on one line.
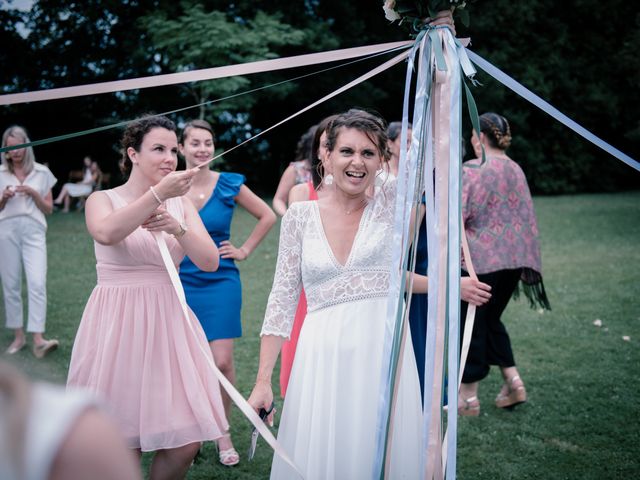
[[243, 250], [155, 195], [181, 232]]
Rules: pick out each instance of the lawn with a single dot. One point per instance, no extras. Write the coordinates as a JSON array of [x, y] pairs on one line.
[[581, 421]]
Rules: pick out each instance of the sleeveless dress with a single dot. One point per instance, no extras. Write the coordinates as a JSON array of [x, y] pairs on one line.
[[135, 349], [329, 417], [216, 297], [288, 351]]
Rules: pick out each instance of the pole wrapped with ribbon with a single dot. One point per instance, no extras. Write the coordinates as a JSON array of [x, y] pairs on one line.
[[432, 165]]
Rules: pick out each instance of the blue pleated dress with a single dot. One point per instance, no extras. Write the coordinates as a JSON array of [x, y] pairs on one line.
[[216, 297]]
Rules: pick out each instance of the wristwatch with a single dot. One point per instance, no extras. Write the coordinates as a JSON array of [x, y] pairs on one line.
[[181, 232]]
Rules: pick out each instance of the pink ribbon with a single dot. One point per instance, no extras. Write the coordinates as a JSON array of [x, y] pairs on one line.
[[199, 75]]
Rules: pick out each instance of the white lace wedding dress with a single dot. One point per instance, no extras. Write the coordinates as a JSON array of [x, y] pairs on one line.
[[329, 417]]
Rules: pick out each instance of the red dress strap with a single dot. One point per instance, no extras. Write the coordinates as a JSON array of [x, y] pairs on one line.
[[313, 195]]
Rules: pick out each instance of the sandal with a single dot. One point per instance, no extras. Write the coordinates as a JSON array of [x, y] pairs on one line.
[[228, 457], [511, 394], [471, 407], [15, 347], [45, 347]]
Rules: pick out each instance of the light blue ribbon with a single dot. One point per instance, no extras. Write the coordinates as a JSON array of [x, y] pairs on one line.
[[546, 107], [393, 323]]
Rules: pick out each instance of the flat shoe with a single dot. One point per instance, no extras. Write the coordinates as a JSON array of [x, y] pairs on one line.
[[44, 348], [13, 349]]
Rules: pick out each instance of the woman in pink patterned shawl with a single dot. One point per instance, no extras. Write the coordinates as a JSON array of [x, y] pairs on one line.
[[503, 241]]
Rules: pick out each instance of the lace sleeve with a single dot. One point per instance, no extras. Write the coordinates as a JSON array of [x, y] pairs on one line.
[[287, 281], [385, 197]]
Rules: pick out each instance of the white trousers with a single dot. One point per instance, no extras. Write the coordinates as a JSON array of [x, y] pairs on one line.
[[23, 243]]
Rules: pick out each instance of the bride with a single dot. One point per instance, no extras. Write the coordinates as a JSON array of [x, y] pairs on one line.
[[339, 248]]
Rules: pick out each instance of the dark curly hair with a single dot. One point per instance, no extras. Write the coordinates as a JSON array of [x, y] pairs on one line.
[[134, 134], [497, 130], [373, 126]]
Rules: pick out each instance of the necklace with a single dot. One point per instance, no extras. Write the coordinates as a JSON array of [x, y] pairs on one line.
[[362, 205]]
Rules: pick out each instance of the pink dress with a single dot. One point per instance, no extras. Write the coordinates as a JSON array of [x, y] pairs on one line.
[[135, 349], [288, 352]]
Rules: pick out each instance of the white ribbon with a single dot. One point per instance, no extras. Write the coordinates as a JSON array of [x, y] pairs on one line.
[[238, 399], [199, 75]]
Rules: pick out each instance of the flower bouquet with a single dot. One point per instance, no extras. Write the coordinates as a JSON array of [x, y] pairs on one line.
[[413, 13]]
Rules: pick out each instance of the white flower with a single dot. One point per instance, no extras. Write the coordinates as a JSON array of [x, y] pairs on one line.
[[389, 12], [626, 338], [597, 322]]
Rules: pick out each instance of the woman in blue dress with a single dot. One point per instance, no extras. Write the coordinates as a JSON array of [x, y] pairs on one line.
[[216, 297]]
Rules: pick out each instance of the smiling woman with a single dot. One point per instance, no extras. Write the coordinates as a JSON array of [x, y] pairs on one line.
[[339, 248], [134, 347], [215, 195]]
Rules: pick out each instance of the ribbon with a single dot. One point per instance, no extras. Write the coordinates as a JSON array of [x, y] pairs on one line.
[[371, 73], [395, 324], [199, 75], [546, 107], [237, 398]]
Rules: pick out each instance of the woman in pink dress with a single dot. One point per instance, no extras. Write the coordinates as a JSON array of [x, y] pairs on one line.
[[134, 347], [310, 190]]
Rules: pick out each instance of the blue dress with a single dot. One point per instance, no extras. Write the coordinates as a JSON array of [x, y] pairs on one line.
[[419, 306], [216, 297]]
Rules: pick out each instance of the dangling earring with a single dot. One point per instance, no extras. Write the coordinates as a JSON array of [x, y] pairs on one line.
[[328, 179]]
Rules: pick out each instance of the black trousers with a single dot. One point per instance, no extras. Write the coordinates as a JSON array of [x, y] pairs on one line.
[[490, 343]]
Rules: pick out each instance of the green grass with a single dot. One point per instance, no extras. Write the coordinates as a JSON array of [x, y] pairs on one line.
[[581, 421]]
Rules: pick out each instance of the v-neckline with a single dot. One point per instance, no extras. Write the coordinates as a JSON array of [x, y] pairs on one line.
[[323, 233], [212, 195]]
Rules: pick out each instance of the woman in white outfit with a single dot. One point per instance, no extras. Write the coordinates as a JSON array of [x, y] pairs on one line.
[[26, 199], [339, 248]]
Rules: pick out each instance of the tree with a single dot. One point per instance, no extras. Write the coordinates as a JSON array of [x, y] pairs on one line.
[[579, 55]]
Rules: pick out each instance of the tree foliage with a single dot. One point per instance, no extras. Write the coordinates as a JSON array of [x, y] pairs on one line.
[[580, 55]]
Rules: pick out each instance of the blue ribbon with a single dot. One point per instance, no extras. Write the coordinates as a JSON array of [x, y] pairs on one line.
[[546, 107]]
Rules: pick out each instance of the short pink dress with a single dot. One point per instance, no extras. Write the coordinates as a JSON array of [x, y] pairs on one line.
[[136, 350]]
